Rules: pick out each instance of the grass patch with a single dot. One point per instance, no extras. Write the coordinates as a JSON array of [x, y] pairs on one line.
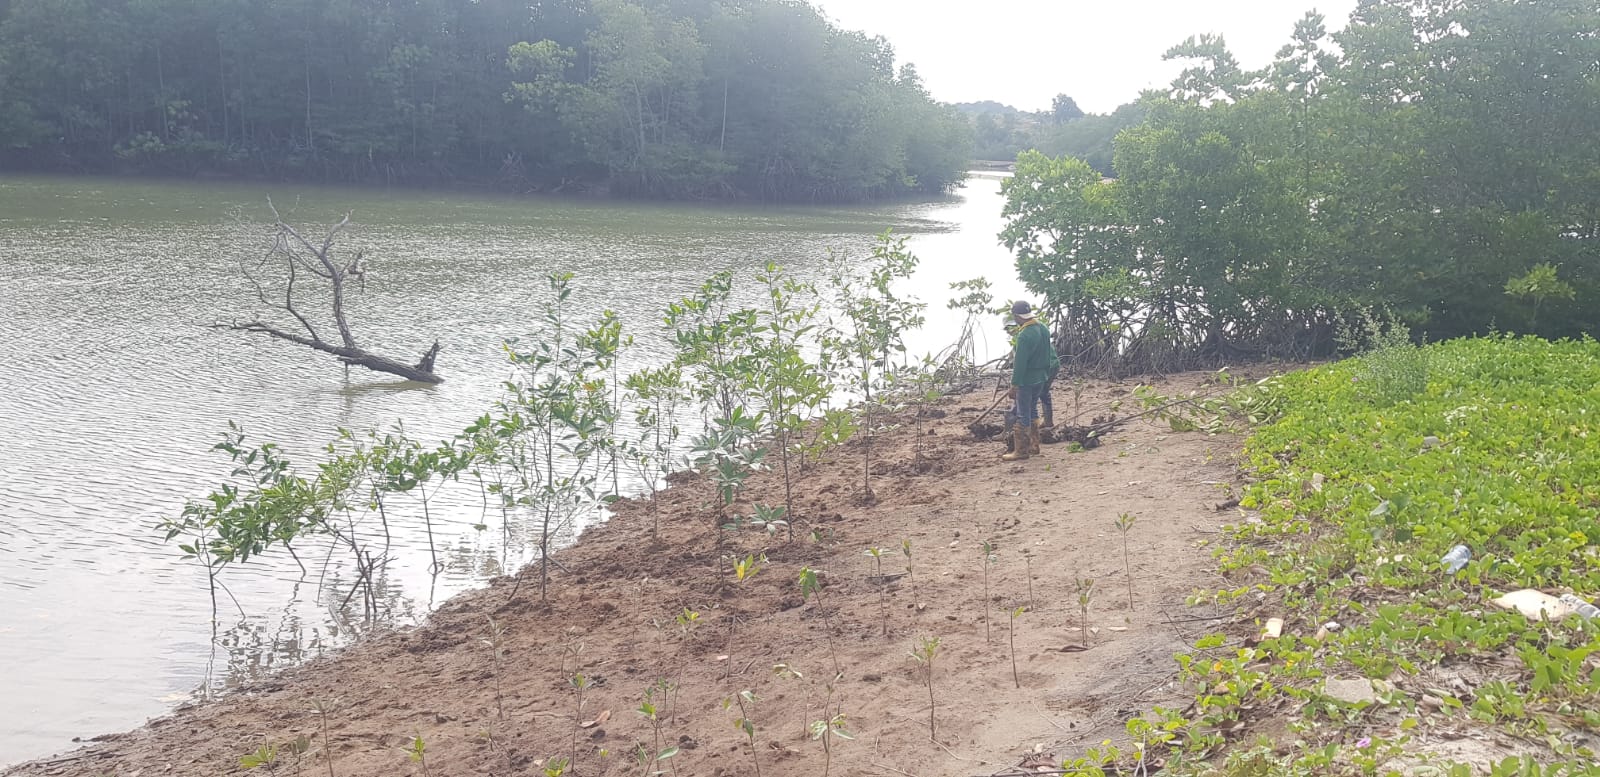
[[1357, 496]]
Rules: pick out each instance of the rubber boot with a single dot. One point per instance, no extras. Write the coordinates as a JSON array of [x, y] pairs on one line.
[[1020, 442], [1033, 438], [1050, 416], [1008, 433]]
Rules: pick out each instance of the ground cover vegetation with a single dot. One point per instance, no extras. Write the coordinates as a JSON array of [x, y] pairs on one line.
[[1432, 159], [1361, 484], [657, 98]]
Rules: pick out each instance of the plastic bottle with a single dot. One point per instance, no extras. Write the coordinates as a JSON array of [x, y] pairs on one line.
[[1456, 558], [1580, 606]]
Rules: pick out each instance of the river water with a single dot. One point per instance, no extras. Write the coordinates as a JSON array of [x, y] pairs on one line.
[[115, 390]]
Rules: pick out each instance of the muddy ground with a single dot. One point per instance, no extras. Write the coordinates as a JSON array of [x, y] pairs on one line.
[[613, 619]]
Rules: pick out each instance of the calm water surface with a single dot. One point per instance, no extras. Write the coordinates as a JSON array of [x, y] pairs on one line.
[[114, 391]]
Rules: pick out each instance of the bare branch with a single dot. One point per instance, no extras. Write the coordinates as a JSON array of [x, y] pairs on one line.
[[288, 304], [298, 254]]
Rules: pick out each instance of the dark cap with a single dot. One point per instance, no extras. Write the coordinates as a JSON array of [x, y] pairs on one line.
[[1021, 308]]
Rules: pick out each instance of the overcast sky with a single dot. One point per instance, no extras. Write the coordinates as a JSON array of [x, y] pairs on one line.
[[1101, 52]]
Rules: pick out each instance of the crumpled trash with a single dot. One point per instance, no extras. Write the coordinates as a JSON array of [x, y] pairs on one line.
[[1534, 605]]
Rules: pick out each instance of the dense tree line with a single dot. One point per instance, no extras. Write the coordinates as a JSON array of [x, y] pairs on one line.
[[671, 98], [1434, 163], [1001, 132]]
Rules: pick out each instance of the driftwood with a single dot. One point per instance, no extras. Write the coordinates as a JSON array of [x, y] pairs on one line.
[[299, 255]]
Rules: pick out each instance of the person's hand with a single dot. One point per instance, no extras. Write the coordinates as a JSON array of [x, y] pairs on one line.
[[1011, 393]]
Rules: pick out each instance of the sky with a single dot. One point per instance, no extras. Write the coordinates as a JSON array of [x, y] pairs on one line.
[[1100, 52]]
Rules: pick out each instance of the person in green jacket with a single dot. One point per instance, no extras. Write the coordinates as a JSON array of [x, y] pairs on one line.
[[1034, 362]]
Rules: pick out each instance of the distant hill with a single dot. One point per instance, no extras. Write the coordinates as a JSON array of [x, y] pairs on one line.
[[986, 107]]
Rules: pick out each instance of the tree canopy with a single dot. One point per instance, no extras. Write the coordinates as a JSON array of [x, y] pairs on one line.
[[666, 98], [1434, 162], [1001, 132]]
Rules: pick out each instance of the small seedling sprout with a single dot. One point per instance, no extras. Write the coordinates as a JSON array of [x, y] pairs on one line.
[[1124, 524], [746, 699], [1085, 588], [924, 652], [988, 561], [1016, 613], [810, 585]]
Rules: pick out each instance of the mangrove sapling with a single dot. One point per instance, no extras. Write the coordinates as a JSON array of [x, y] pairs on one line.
[[559, 405], [555, 767], [1027, 564], [988, 561], [978, 304], [924, 651], [658, 393], [1016, 613], [825, 730], [883, 602], [911, 574], [606, 341], [579, 684], [714, 347], [688, 624], [810, 585], [869, 329], [1124, 524], [726, 453], [746, 699], [784, 671], [1085, 589], [418, 751], [571, 647], [650, 758], [266, 755], [322, 722], [409, 468], [791, 386], [496, 643], [744, 570]]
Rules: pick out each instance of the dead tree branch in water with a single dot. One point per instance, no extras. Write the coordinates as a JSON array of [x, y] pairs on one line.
[[298, 256]]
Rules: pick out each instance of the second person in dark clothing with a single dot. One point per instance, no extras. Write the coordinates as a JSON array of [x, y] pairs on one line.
[[1033, 363]]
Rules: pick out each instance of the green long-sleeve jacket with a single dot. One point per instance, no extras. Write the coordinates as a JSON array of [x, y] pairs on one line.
[[1035, 358]]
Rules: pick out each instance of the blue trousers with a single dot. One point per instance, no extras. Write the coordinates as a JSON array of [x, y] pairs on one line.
[[1028, 403]]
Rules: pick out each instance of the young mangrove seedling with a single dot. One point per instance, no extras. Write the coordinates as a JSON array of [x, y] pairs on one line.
[[744, 570], [269, 754], [809, 585], [579, 684], [825, 730], [1016, 613], [418, 750], [924, 651], [496, 643], [988, 561], [1085, 588], [783, 671], [651, 757], [911, 575], [555, 767], [322, 717], [265, 755], [745, 700], [1027, 563], [1124, 524], [571, 647], [883, 603]]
